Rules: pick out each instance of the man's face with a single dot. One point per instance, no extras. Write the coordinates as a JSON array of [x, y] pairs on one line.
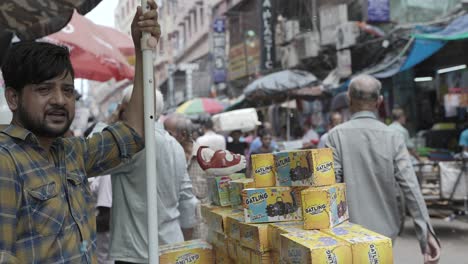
[[266, 141], [47, 109]]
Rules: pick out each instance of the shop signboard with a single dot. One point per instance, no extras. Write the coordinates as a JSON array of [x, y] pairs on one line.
[[268, 17], [219, 50], [239, 64], [330, 18], [378, 10]]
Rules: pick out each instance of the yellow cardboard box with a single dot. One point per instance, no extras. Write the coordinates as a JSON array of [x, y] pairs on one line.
[[275, 257], [318, 248], [206, 208], [222, 257], [272, 204], [367, 246], [276, 229], [235, 191], [194, 251], [260, 257], [243, 255], [212, 237], [233, 226], [217, 218], [304, 167], [324, 207], [263, 170], [254, 236], [232, 248], [219, 188], [221, 243]]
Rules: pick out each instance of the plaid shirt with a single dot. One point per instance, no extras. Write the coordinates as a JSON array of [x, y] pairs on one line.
[[46, 208]]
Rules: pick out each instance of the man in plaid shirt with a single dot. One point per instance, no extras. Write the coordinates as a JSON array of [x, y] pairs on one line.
[[46, 208]]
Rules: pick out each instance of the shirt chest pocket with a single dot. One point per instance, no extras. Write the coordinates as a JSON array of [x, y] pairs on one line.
[[47, 208], [81, 199]]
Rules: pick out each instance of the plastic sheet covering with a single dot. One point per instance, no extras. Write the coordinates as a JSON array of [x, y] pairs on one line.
[[449, 172]]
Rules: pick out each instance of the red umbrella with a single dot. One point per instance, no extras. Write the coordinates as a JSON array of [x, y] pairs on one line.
[[97, 52]]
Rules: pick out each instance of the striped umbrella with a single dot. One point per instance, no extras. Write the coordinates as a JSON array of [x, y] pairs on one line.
[[199, 106]]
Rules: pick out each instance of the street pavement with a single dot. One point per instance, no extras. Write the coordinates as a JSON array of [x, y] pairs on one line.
[[453, 236]]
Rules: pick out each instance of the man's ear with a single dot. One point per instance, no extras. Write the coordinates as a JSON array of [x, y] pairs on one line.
[[12, 97], [379, 101]]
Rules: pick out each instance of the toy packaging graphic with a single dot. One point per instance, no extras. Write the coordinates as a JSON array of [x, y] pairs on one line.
[[232, 228], [276, 229], [243, 254], [324, 207], [219, 190], [216, 219], [235, 191], [367, 246], [255, 236], [317, 248], [263, 170], [304, 168], [272, 204], [194, 251]]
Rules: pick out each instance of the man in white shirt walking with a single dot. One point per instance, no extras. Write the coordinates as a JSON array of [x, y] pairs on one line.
[[211, 139]]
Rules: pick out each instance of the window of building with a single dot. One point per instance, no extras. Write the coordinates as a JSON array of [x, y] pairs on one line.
[[161, 46], [195, 21], [202, 16], [189, 31]]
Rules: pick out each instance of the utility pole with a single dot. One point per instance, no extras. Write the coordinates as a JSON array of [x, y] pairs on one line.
[[188, 68]]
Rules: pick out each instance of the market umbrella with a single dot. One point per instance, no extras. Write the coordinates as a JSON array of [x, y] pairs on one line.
[[96, 52], [31, 20], [280, 83], [200, 105]]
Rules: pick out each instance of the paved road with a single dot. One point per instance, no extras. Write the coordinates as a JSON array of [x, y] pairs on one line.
[[453, 236]]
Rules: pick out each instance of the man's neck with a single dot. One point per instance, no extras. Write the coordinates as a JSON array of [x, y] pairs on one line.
[[45, 142]]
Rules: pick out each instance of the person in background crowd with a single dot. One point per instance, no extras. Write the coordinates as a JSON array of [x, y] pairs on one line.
[[371, 159], [463, 141], [399, 120], [311, 137], [46, 212], [335, 119], [210, 138], [181, 128], [236, 145], [176, 202], [257, 142], [266, 147]]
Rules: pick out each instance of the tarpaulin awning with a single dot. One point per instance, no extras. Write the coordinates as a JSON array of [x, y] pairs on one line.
[[456, 30], [421, 50]]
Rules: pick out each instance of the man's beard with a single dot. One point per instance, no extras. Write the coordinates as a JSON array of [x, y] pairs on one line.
[[39, 127]]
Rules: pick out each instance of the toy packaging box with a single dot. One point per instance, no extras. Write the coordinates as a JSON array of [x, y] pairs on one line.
[[207, 208], [243, 254], [276, 229], [272, 204], [219, 190], [255, 236], [263, 170], [318, 248], [216, 219], [367, 246], [194, 251], [260, 257], [235, 191], [232, 248], [222, 257], [232, 228], [324, 207], [304, 168]]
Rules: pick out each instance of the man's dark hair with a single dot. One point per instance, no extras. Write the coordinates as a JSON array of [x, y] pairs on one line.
[[208, 124], [397, 113], [30, 62]]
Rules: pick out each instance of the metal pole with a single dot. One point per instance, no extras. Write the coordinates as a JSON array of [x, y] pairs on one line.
[[288, 122], [150, 148]]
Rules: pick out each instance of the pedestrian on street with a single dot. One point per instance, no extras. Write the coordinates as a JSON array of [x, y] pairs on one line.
[[176, 201], [399, 120], [46, 210], [371, 159], [210, 138], [335, 119]]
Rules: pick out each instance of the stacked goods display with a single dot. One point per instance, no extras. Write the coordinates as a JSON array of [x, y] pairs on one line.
[[292, 211], [194, 251], [219, 188]]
